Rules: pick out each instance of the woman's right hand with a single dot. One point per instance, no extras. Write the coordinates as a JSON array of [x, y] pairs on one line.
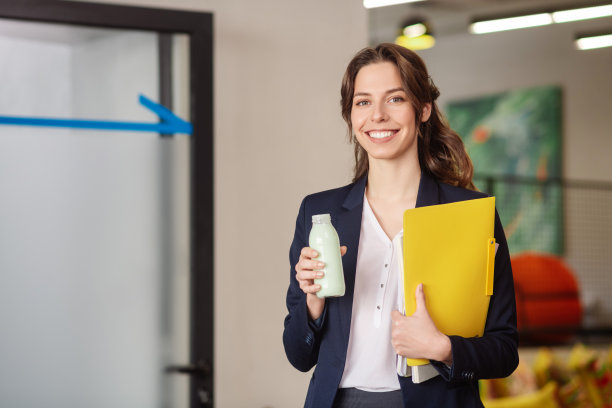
[[307, 270]]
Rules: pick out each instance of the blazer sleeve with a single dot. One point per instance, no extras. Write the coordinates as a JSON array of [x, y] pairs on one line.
[[495, 354], [301, 336]]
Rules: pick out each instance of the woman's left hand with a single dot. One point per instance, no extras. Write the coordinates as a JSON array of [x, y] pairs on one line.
[[417, 336]]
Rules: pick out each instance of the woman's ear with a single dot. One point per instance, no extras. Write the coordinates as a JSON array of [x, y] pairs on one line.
[[426, 113]]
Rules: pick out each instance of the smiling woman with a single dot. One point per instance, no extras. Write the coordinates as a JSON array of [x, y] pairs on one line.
[[405, 157], [443, 155]]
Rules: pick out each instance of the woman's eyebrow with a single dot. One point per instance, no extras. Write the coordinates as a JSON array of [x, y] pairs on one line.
[[386, 92], [395, 90]]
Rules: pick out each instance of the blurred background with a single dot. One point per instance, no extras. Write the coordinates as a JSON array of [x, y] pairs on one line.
[[96, 247]]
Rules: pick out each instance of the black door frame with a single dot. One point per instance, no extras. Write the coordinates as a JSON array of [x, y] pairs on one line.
[[199, 27]]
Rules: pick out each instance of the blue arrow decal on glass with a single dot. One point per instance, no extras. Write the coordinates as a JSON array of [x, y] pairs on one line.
[[169, 122]]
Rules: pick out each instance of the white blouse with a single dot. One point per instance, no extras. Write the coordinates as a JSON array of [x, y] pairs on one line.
[[370, 361]]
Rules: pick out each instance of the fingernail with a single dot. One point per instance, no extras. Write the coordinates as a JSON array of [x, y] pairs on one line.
[[320, 274], [320, 265]]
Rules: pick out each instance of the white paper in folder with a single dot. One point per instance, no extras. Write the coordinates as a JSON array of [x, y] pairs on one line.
[[419, 373]]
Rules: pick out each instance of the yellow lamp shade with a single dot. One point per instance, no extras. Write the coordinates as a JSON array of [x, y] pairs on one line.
[[421, 42]]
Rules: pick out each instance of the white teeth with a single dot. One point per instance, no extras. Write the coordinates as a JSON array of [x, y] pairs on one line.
[[380, 135]]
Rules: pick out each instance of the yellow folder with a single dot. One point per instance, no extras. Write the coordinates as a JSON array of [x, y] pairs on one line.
[[451, 250]]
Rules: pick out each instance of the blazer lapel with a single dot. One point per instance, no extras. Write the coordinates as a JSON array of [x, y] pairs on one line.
[[429, 193], [349, 230]]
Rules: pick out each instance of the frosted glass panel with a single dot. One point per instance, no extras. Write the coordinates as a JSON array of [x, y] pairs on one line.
[[88, 259]]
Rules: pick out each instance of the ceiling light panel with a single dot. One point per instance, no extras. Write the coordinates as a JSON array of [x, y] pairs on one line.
[[590, 43], [511, 23], [381, 3], [587, 13]]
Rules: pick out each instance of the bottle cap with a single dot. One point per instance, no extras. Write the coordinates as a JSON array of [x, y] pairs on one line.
[[321, 219]]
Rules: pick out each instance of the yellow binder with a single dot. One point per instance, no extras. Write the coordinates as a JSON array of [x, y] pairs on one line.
[[451, 250]]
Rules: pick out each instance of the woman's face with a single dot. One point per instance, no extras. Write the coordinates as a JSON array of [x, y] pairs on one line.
[[382, 116]]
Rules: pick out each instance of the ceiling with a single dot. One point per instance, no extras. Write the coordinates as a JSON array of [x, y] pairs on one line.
[[451, 17]]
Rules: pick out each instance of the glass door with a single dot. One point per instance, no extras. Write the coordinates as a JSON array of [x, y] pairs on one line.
[[96, 267]]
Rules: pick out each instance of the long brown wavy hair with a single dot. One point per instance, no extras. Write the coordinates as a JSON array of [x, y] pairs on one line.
[[440, 149]]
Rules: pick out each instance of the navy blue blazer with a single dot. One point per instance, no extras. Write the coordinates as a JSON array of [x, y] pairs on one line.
[[493, 355]]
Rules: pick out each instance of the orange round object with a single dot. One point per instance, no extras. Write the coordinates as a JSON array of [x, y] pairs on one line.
[[547, 300]]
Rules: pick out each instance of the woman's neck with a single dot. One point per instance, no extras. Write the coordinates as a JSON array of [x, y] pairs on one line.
[[393, 182]]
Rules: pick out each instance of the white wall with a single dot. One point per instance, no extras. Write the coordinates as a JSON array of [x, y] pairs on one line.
[[278, 137]]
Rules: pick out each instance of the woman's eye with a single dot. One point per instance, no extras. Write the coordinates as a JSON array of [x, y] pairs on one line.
[[361, 103], [396, 99]]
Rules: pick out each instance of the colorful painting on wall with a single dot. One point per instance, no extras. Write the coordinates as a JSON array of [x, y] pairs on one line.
[[514, 140]]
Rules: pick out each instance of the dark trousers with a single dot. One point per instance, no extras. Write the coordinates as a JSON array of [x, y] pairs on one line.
[[354, 398]]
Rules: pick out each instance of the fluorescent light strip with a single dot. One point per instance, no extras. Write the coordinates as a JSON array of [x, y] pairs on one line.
[[589, 43], [381, 3], [512, 23], [535, 20], [582, 14]]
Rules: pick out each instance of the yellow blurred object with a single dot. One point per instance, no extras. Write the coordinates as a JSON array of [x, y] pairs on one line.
[[422, 42], [543, 398], [582, 360], [494, 388], [582, 379], [521, 381], [547, 367], [573, 392], [581, 357], [415, 34]]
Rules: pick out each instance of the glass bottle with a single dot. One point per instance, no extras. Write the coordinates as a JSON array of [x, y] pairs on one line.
[[324, 239]]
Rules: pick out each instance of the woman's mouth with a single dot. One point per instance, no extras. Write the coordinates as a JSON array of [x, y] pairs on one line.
[[381, 136]]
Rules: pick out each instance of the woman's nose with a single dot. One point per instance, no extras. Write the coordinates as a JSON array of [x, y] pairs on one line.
[[379, 113]]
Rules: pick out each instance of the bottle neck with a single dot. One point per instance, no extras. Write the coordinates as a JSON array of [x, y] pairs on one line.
[[321, 219]]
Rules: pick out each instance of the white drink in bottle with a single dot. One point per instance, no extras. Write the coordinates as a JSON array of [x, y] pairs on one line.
[[324, 239]]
